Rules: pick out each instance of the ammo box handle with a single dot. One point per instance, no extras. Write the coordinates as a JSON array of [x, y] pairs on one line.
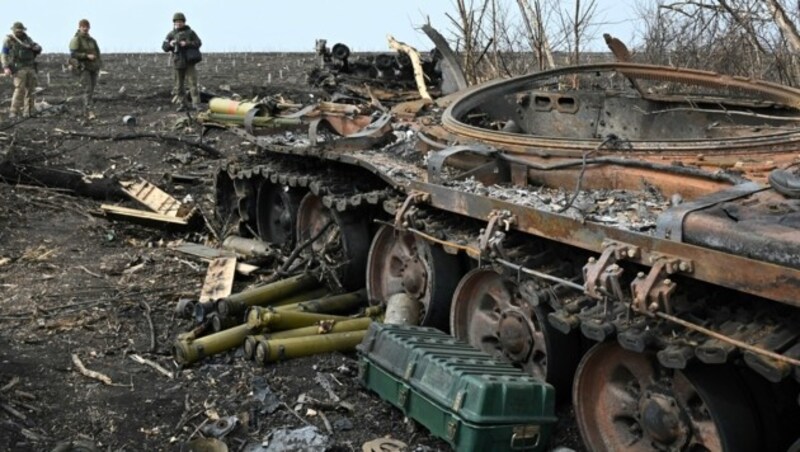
[[525, 437]]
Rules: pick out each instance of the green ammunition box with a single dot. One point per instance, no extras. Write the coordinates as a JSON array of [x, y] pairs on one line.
[[459, 393]]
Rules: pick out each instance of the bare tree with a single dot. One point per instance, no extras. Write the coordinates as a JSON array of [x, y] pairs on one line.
[[496, 38], [754, 38], [576, 25], [535, 26]]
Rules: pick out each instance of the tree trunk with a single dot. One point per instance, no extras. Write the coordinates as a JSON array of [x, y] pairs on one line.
[[59, 178]]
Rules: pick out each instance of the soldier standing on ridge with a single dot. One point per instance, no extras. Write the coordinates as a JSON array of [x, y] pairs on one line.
[[184, 44], [85, 56], [19, 59]]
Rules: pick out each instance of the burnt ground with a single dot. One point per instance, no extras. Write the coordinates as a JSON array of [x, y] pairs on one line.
[[74, 283]]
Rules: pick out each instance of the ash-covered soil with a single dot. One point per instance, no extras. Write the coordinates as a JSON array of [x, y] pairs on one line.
[[74, 284]]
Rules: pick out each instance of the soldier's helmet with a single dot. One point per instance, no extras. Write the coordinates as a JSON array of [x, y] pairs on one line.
[[84, 23], [18, 27], [178, 16]]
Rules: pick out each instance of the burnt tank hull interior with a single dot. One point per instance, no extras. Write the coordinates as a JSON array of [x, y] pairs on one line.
[[608, 228]]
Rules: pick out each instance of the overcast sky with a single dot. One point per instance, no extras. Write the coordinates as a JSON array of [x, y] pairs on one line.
[[259, 25]]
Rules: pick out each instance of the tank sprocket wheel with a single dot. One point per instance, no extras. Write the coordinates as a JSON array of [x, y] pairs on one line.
[[276, 213], [401, 262], [626, 401], [343, 240]]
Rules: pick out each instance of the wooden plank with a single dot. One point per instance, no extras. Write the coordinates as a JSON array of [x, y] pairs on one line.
[[207, 253], [219, 279], [142, 215], [153, 197]]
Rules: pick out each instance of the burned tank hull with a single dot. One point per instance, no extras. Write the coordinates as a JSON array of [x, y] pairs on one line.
[[623, 244]]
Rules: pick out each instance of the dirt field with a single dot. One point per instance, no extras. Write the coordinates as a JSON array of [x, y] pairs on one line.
[[75, 284]]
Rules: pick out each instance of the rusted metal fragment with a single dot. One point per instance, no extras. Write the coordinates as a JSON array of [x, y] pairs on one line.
[[763, 226], [454, 80], [670, 223]]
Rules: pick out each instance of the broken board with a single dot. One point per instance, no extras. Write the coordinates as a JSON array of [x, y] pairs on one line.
[[207, 253], [219, 279], [154, 198]]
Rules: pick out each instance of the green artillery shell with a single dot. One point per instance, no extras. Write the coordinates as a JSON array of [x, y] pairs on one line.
[[258, 121], [279, 349], [324, 327], [249, 346], [219, 323], [238, 303], [187, 352], [261, 348], [336, 303], [305, 296], [267, 319]]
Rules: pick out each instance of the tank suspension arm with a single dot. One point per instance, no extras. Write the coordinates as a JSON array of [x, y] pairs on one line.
[[472, 251]]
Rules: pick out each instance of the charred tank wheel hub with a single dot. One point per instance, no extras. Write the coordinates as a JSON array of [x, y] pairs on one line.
[[338, 237], [415, 277], [400, 262], [515, 335], [661, 420], [489, 314], [625, 400]]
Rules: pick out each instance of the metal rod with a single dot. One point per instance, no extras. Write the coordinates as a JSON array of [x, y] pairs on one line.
[[727, 339], [541, 275]]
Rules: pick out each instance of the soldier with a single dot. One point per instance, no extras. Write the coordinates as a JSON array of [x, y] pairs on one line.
[[19, 59], [85, 56], [184, 44]]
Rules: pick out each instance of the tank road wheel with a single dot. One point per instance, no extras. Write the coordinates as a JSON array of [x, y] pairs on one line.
[[276, 213], [625, 401], [401, 262], [489, 313], [226, 201], [343, 244]]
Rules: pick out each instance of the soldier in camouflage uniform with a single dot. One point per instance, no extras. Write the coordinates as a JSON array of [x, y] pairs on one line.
[[85, 56], [19, 59], [184, 44]]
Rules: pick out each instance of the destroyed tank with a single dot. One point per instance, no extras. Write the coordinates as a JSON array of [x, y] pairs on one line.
[[609, 228]]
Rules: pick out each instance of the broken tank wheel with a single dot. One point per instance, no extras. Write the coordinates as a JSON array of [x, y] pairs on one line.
[[227, 207], [341, 239], [276, 213], [400, 262], [626, 401], [489, 313]]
